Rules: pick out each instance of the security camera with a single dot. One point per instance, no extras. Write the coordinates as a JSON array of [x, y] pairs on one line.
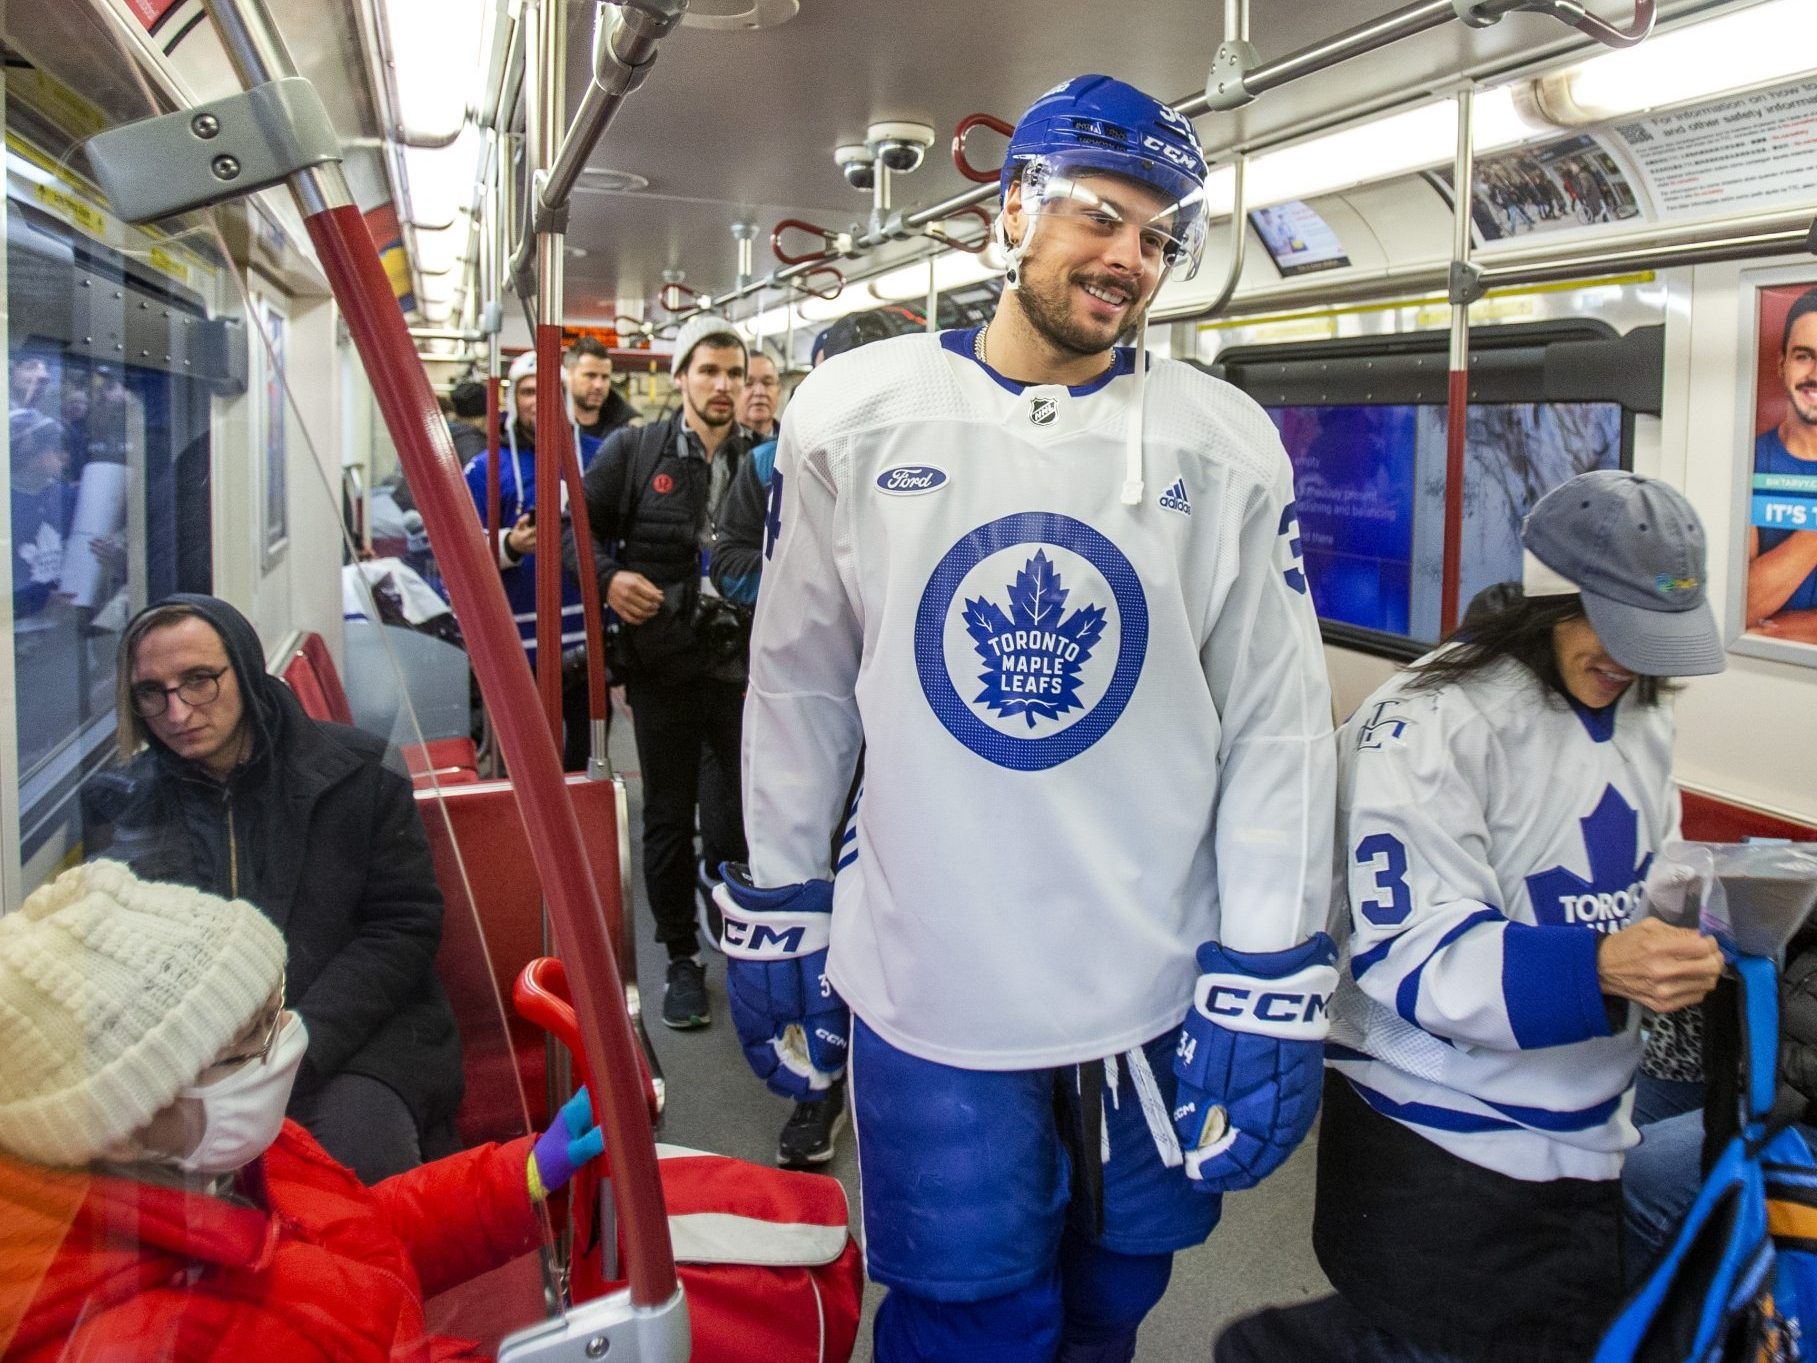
[[857, 164], [899, 147]]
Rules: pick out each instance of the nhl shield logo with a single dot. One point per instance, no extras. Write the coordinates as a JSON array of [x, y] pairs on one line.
[[1029, 639], [1042, 411]]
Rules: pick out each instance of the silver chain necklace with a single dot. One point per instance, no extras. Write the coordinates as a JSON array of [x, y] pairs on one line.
[[978, 344]]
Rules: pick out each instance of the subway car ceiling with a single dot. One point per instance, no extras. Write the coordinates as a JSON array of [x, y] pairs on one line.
[[738, 120]]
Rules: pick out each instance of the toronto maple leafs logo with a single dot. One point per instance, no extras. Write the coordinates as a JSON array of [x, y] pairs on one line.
[[1616, 889], [44, 554], [1030, 638], [1033, 656]]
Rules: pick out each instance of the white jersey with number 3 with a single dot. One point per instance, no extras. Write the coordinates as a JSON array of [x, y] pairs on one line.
[[1094, 735], [1491, 831]]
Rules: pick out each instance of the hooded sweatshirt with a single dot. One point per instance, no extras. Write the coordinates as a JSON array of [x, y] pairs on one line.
[[317, 831]]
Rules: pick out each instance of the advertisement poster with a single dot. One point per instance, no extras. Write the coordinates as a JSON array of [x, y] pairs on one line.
[[1750, 152], [1570, 182], [274, 502], [1299, 241], [1781, 595], [1353, 478]]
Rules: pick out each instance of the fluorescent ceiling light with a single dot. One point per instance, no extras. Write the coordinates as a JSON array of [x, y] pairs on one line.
[[441, 181], [1756, 46], [431, 43], [851, 299], [770, 322], [952, 270], [439, 252], [1381, 149]]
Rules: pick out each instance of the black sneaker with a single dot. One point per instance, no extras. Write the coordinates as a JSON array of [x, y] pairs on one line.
[[812, 1128], [684, 997]]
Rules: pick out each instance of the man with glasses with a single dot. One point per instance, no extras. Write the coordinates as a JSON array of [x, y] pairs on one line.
[[760, 405], [1051, 588], [231, 789]]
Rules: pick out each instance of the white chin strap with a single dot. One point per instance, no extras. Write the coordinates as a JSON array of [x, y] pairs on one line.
[[1132, 450], [1012, 278]]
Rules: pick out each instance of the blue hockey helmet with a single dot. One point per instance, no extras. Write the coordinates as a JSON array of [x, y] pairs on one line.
[[1097, 124]]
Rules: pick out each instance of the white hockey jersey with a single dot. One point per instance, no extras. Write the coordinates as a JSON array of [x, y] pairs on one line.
[[1489, 832], [1055, 693]]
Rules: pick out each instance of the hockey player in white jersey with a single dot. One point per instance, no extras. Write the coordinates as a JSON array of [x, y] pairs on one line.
[[1053, 591], [1500, 804]]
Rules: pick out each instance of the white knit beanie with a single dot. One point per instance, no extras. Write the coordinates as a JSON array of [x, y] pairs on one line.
[[115, 992]]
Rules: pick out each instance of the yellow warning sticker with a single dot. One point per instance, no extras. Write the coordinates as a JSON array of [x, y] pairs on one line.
[[89, 219], [163, 260]]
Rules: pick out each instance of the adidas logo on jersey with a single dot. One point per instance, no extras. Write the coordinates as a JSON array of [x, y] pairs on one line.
[[1175, 498]]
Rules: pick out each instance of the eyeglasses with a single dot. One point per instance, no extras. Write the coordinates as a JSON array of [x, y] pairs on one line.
[[198, 688], [1064, 198], [267, 1040]]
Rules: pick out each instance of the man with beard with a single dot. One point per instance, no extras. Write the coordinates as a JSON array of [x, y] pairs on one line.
[[1052, 589], [1782, 564], [653, 495], [598, 408]]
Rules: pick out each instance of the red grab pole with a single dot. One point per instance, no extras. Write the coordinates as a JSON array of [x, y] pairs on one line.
[[426, 449], [427, 453], [551, 435]]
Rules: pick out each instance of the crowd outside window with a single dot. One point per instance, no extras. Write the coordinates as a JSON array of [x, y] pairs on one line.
[[653, 496], [156, 1203], [518, 547], [231, 789], [597, 407]]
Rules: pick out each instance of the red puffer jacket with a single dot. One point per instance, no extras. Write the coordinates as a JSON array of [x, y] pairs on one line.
[[107, 1269]]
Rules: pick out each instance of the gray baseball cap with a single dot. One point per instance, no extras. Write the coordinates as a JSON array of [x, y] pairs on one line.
[[1634, 549]]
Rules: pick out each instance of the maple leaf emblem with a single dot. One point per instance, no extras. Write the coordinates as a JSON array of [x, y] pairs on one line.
[[1035, 654], [45, 555], [1614, 892]]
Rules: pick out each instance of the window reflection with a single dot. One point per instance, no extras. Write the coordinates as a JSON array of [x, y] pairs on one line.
[[109, 492]]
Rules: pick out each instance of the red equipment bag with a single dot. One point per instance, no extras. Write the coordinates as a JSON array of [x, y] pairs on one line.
[[766, 1256]]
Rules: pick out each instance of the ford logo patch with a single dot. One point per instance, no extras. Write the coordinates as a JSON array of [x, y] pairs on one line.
[[911, 480]]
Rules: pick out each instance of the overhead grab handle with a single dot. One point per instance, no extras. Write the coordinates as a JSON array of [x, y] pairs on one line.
[[676, 296], [966, 124], [970, 245], [825, 293], [836, 244]]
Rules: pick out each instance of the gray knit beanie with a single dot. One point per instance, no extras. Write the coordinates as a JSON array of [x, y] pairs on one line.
[[115, 992]]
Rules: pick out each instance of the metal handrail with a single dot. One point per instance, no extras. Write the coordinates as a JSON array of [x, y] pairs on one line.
[[1395, 26], [960, 161], [624, 48]]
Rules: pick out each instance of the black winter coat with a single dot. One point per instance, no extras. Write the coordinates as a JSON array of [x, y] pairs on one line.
[[321, 835], [1798, 1022]]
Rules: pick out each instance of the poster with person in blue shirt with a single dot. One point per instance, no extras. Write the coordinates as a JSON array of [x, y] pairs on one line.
[[1782, 519]]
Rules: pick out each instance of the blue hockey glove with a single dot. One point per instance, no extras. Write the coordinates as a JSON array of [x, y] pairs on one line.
[[792, 1024], [1251, 1060], [571, 1140]]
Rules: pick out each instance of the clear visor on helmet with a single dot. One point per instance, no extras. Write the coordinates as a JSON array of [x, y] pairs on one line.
[[1165, 212]]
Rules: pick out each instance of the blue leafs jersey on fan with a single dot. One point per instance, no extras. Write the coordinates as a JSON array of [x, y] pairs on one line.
[[1529, 1078], [1054, 690]]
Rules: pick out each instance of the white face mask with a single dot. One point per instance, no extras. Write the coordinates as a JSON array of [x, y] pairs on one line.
[[243, 1110]]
